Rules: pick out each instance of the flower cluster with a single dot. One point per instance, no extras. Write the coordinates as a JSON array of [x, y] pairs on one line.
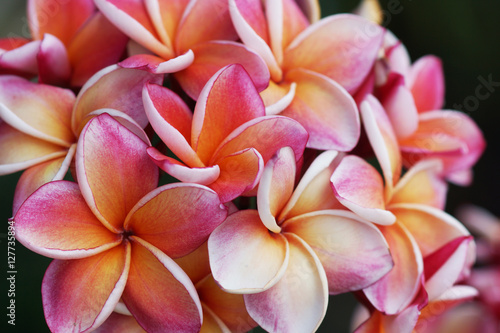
[[217, 165]]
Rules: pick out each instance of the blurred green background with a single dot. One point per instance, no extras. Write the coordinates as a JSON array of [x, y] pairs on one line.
[[464, 34]]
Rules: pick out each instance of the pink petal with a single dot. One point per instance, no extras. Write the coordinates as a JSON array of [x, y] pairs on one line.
[[353, 253], [204, 21], [56, 222], [422, 184], [78, 295], [228, 100], [152, 273], [458, 142], [171, 119], [164, 219], [132, 18], [443, 267], [97, 45], [383, 141], [239, 172], [399, 104], [61, 19], [114, 88], [176, 169], [426, 79], [277, 97], [244, 256], [266, 135], [480, 221], [310, 8], [325, 109], [53, 62], [403, 322], [19, 151], [359, 187], [20, 60], [112, 186], [209, 57], [39, 110], [395, 291], [276, 187], [249, 22], [41, 174], [298, 301], [118, 323], [314, 191], [339, 47], [294, 22]]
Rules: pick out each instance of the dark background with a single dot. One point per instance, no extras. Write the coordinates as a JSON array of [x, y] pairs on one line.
[[464, 34]]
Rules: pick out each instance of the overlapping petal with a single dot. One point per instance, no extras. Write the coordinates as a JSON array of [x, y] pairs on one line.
[[53, 63], [426, 80], [298, 301], [78, 295], [153, 274], [244, 256]]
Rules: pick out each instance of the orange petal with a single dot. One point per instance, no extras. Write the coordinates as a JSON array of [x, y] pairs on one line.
[[78, 295], [118, 323], [152, 273], [196, 264]]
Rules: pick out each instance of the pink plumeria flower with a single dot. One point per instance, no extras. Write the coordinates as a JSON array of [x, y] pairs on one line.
[[191, 38], [287, 256], [71, 42], [409, 213], [40, 124], [314, 67], [413, 95], [113, 236], [227, 140]]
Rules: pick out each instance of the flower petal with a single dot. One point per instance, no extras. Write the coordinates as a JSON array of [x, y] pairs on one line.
[[171, 119], [325, 109], [111, 185], [115, 88], [118, 323], [61, 19], [39, 110], [227, 101], [196, 264], [152, 273], [156, 65], [20, 60], [383, 141], [426, 79], [41, 174], [403, 322], [202, 176], [132, 18], [56, 222], [314, 191], [359, 187], [396, 290], [97, 44], [276, 187], [266, 135], [298, 301], [343, 47], [209, 57], [244, 256], [239, 172], [78, 295], [53, 62], [164, 219], [29, 151], [353, 253]]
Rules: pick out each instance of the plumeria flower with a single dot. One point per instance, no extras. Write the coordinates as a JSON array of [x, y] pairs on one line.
[[71, 41], [225, 143], [191, 38], [314, 67], [222, 312], [413, 95], [113, 236], [290, 253], [40, 124], [408, 211]]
